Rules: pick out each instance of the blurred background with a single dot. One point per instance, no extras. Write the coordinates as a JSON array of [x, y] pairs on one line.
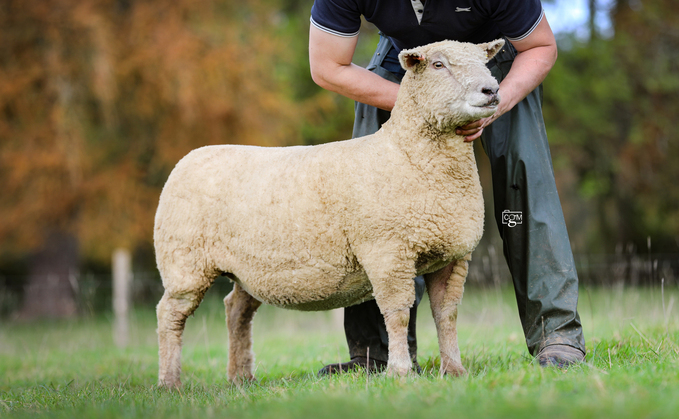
[[99, 99]]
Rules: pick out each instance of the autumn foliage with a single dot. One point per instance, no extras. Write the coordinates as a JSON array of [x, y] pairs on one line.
[[610, 108], [100, 98]]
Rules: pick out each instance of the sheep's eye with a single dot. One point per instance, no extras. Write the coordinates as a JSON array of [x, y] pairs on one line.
[[438, 64]]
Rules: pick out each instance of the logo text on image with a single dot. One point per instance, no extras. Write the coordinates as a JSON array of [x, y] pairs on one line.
[[512, 218]]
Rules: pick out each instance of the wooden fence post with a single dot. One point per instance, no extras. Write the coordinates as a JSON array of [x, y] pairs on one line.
[[122, 278]]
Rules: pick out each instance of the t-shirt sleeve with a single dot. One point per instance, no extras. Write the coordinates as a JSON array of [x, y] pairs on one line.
[[516, 19], [338, 17]]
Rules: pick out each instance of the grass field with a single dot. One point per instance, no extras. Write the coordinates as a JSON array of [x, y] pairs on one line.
[[72, 369]]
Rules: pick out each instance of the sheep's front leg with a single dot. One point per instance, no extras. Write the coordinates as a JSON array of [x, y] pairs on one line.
[[397, 330], [395, 294], [240, 310], [445, 288]]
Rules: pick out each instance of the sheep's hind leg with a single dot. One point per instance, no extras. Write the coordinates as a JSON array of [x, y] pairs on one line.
[[240, 310], [445, 288], [172, 311]]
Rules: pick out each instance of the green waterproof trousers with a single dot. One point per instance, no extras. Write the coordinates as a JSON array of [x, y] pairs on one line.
[[528, 214]]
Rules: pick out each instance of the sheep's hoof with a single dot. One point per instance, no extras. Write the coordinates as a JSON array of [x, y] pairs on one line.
[[399, 371], [242, 379], [454, 370], [170, 384]]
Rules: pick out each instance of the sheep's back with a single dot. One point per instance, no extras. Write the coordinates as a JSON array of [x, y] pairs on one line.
[[263, 216]]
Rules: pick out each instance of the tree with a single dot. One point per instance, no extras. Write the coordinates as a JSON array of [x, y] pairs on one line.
[[100, 98], [610, 106]]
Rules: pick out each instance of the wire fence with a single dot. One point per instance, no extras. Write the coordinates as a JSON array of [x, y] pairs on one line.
[[93, 293]]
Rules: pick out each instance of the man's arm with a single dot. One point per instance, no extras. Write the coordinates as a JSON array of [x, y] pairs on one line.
[[537, 55], [331, 68]]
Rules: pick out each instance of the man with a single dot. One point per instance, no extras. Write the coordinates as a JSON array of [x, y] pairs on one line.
[[527, 208]]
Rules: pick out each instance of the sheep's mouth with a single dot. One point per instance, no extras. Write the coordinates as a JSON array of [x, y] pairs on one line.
[[489, 107], [485, 110], [492, 103]]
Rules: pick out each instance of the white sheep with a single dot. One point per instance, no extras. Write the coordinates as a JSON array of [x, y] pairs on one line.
[[332, 225]]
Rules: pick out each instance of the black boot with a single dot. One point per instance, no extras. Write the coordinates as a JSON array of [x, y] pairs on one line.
[[355, 363]]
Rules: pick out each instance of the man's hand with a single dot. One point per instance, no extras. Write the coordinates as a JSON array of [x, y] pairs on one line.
[[536, 56], [473, 130]]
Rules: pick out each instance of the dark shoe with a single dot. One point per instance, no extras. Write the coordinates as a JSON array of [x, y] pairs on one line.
[[360, 362], [560, 356], [355, 363]]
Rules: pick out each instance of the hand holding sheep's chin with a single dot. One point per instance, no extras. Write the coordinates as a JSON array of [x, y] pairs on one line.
[[473, 130]]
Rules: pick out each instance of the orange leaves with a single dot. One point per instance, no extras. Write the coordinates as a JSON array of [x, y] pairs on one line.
[[99, 101]]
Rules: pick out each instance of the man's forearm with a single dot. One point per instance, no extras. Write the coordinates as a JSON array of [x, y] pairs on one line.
[[331, 68], [358, 84]]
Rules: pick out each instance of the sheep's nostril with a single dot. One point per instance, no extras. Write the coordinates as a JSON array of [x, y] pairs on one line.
[[491, 95], [488, 91]]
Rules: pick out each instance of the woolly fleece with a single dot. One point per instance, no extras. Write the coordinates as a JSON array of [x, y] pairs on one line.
[[333, 225]]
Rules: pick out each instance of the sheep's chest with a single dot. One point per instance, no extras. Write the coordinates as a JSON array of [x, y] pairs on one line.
[[452, 232]]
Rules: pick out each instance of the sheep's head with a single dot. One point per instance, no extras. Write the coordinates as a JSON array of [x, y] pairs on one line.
[[450, 83]]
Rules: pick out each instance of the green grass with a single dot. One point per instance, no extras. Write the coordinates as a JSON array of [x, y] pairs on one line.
[[72, 369]]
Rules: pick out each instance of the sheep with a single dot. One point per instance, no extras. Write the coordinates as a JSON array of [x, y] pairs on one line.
[[333, 225]]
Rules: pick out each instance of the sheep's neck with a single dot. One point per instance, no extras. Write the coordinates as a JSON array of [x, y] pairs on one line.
[[408, 130]]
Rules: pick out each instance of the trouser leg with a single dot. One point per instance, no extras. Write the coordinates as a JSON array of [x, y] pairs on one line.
[[529, 216]]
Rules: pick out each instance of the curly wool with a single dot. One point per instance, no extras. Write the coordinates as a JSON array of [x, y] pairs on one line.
[[328, 226]]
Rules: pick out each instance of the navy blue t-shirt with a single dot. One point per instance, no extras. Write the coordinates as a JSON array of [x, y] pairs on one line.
[[411, 23]]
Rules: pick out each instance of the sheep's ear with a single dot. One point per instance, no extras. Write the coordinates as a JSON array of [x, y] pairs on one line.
[[411, 59], [492, 47]]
